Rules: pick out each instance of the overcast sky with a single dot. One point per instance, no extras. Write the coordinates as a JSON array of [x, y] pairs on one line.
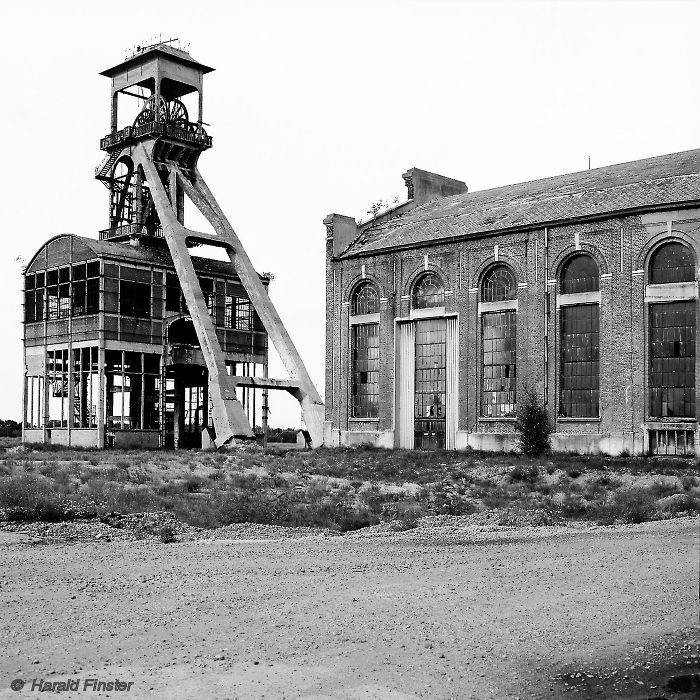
[[318, 107]]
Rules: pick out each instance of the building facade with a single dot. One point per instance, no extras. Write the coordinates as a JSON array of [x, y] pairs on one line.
[[583, 289]]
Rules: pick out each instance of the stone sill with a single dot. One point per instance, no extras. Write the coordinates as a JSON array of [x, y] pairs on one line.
[[579, 420]]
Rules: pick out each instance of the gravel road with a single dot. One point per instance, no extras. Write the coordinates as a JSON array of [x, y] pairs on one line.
[[597, 612]]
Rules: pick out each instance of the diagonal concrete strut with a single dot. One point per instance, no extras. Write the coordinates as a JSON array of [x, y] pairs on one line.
[[228, 415], [312, 407]]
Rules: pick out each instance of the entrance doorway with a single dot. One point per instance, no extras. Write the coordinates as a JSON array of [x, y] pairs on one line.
[[429, 401], [186, 405], [426, 383]]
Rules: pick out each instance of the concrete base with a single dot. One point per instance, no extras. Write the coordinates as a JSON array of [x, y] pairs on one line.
[[573, 443], [358, 438], [596, 443], [141, 439], [492, 442]]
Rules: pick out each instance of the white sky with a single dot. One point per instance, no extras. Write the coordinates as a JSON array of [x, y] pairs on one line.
[[318, 107]]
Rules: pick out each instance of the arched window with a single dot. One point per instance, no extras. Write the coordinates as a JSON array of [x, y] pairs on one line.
[[365, 299], [498, 284], [498, 328], [579, 274], [672, 262], [672, 343], [364, 352], [428, 292], [579, 356]]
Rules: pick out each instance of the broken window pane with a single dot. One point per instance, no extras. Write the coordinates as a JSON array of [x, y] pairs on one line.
[[34, 415], [52, 302], [365, 300], [672, 262], [365, 371], [85, 388], [672, 347], [134, 299], [498, 368], [428, 292], [57, 377], [499, 284], [579, 371], [78, 298], [580, 274]]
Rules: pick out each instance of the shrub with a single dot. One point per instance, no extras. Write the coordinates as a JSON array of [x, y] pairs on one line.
[[532, 423], [167, 534], [524, 472]]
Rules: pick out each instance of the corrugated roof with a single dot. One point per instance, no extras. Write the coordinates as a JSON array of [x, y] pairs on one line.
[[652, 182]]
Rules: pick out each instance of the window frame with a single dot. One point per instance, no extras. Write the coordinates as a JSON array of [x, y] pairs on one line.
[[577, 299], [365, 324], [415, 306]]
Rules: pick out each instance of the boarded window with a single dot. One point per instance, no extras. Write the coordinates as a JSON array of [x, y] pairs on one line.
[[580, 274], [365, 300], [579, 370], [672, 347], [365, 371], [498, 367], [499, 284], [672, 262], [428, 292]]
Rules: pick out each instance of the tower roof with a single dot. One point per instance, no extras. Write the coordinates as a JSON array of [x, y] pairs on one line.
[[142, 55]]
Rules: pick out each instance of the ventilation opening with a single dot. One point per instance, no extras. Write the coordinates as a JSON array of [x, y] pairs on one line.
[[672, 442]]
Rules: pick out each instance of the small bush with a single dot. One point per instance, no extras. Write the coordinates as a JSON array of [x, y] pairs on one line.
[[167, 534], [532, 424], [524, 472]]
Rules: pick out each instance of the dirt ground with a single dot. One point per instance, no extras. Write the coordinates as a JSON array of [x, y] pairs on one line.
[[545, 613]]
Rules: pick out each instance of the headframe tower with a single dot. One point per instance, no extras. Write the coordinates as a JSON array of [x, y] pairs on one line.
[[150, 167]]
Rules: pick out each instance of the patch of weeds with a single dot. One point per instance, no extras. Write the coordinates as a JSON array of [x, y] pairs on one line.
[[689, 482], [446, 499], [634, 505]]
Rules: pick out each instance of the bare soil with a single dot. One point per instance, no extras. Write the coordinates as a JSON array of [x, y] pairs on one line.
[[434, 612]]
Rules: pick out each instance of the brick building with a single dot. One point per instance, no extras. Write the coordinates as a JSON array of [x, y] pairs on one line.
[[583, 288]]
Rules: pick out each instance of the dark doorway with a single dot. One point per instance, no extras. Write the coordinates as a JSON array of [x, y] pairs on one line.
[[186, 408]]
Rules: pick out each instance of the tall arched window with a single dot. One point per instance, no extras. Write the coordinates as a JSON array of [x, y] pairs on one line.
[[498, 330], [672, 343], [364, 339], [428, 292], [579, 371]]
